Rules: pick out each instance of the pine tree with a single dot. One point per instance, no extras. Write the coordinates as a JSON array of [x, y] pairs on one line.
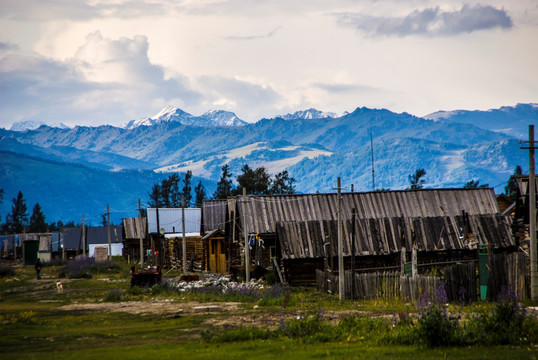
[[224, 186], [187, 189], [37, 220], [199, 191], [18, 219], [155, 197], [510, 189], [257, 182], [474, 185], [283, 184], [415, 181]]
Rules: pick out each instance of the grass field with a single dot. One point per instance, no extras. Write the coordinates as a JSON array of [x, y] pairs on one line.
[[102, 317]]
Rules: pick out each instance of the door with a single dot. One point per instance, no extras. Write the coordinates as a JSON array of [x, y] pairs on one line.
[[217, 256]]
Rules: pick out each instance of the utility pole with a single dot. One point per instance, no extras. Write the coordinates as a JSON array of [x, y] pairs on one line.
[[83, 238], [140, 227], [340, 244], [184, 240], [247, 251], [352, 253], [532, 215], [108, 226]]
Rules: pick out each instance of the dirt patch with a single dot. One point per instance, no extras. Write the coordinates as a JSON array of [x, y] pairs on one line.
[[165, 307]]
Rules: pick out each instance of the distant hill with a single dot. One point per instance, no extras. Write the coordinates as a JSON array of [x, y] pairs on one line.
[[67, 191]]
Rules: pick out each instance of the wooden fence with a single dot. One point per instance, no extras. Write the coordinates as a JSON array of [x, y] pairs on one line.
[[507, 276]]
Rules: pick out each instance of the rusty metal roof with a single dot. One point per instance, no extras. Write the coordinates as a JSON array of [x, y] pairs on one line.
[[262, 213]]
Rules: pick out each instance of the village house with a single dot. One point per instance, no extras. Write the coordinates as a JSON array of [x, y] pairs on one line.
[[300, 231]]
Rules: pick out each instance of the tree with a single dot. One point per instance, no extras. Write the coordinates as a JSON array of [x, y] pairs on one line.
[[199, 191], [170, 192], [224, 186], [415, 180], [37, 220], [510, 189], [166, 194], [1, 196], [283, 184], [257, 182], [474, 185], [155, 197], [17, 220], [187, 189]]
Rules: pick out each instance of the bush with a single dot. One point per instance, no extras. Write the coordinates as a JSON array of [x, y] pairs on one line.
[[435, 327], [114, 295], [506, 324]]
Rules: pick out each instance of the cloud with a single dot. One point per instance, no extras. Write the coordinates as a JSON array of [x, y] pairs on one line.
[[254, 37], [107, 81], [344, 88], [81, 10], [251, 98], [430, 21]]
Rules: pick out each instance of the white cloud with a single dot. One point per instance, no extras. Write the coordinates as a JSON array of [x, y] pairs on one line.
[[430, 21]]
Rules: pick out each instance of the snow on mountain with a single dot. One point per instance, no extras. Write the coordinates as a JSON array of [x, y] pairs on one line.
[[274, 158], [223, 118], [32, 125], [167, 114], [311, 114], [174, 114]]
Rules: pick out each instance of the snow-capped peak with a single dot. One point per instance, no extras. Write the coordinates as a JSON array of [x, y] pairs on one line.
[[32, 125], [310, 114], [171, 114], [223, 118]]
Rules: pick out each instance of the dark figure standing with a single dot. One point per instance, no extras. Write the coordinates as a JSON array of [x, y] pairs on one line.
[[38, 267]]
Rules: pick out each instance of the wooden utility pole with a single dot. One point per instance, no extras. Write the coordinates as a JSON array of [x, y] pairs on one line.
[[83, 238], [184, 240], [532, 215], [352, 253], [108, 225], [140, 227], [247, 251], [340, 244]]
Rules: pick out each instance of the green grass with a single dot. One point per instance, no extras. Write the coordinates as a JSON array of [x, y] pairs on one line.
[[33, 325]]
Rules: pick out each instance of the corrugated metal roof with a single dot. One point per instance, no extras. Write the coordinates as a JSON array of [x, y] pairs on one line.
[[170, 220], [263, 212], [132, 228], [214, 215], [383, 236], [99, 235], [72, 238]]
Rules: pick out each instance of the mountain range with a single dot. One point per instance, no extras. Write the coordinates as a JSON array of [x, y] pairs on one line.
[[315, 147]]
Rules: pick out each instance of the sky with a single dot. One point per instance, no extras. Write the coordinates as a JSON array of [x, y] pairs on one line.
[[95, 62]]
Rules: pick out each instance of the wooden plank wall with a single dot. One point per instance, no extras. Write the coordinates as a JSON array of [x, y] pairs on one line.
[[507, 276]]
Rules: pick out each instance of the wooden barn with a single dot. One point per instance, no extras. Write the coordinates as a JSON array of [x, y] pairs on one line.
[[443, 225]]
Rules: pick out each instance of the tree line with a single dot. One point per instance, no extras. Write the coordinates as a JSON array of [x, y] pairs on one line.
[[256, 181]]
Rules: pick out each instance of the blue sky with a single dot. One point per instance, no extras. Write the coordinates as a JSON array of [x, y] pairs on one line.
[[107, 62]]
